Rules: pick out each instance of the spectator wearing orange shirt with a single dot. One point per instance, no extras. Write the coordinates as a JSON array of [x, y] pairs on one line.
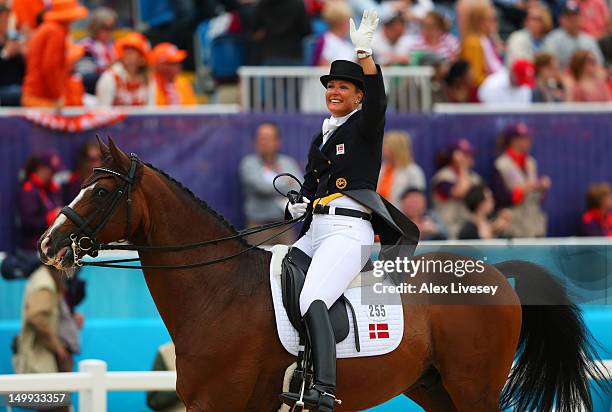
[[47, 59], [170, 88], [126, 82]]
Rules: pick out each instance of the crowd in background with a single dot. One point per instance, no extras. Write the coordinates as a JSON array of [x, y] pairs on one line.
[[42, 66], [490, 51], [509, 205], [463, 205]]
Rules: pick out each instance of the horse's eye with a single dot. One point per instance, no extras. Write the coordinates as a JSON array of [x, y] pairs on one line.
[[101, 192]]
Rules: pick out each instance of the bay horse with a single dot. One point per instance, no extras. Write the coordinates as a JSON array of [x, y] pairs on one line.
[[220, 316]]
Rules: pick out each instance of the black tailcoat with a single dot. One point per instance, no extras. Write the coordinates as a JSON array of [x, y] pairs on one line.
[[350, 162]]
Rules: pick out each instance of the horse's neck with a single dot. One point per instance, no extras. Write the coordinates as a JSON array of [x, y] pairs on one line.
[[189, 298]]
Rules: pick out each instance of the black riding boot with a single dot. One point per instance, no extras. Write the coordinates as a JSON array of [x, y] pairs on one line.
[[321, 396]]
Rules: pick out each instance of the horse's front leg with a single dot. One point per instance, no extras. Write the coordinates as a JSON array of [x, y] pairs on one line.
[[245, 381], [216, 386], [265, 396]]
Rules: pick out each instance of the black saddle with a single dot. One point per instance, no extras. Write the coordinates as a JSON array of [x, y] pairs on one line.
[[294, 267]]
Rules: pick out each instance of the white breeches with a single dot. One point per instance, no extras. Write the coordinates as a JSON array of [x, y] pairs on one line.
[[339, 247]]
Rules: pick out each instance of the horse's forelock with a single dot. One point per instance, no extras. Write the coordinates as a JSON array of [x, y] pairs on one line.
[[107, 162]]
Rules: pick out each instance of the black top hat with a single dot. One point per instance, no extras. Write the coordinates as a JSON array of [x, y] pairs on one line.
[[345, 70]]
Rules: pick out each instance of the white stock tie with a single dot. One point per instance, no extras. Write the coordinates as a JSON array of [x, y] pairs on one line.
[[328, 127]]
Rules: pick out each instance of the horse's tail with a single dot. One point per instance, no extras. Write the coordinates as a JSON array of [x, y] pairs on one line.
[[555, 351]]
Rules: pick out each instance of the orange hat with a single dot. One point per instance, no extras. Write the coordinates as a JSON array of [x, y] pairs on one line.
[[167, 53], [65, 10], [135, 40]]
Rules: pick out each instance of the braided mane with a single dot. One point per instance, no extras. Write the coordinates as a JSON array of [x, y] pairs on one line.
[[199, 201]]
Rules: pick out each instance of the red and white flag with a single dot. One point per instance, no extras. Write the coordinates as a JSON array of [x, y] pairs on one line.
[[379, 330], [88, 120]]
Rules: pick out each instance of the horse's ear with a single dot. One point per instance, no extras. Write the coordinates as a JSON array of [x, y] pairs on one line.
[[103, 147], [120, 158]]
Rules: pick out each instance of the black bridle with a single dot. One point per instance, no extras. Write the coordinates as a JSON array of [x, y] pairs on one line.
[[84, 239]]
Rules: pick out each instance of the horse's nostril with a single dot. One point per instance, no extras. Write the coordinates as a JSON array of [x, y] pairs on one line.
[[44, 246]]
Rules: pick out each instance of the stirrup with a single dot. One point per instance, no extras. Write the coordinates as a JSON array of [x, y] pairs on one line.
[[313, 401]]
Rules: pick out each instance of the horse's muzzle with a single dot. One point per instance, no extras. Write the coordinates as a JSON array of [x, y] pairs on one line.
[[56, 254]]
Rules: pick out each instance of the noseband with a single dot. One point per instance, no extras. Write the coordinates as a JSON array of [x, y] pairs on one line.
[[84, 239]]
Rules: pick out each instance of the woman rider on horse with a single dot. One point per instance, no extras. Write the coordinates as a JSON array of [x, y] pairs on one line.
[[344, 210]]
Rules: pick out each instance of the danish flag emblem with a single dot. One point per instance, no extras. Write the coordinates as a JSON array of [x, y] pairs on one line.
[[379, 330]]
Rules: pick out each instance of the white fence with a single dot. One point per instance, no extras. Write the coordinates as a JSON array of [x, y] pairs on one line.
[[93, 382], [298, 89]]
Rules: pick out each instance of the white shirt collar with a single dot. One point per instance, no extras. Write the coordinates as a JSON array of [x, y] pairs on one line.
[[332, 123], [341, 120]]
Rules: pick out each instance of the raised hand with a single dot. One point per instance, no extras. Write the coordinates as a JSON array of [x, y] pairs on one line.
[[362, 37]]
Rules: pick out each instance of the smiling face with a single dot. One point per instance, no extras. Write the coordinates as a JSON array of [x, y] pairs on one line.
[[342, 97]]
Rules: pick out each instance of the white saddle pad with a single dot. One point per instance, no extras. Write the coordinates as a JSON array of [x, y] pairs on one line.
[[380, 326]]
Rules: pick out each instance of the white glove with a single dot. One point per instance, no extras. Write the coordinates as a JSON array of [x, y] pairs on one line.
[[362, 38], [298, 209]]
